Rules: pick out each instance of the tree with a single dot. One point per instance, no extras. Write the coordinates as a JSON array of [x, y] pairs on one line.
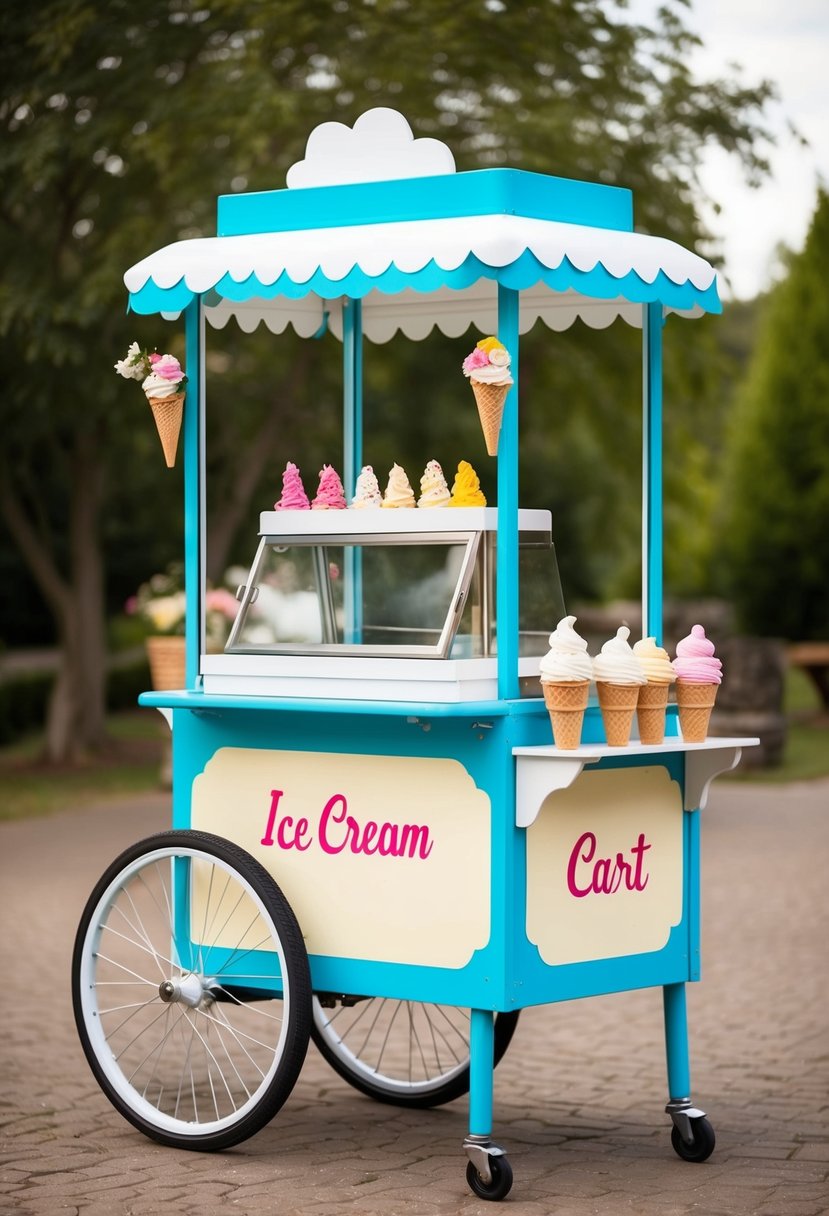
[[776, 503], [122, 124]]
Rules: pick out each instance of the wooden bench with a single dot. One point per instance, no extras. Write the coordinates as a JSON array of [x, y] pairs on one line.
[[813, 658]]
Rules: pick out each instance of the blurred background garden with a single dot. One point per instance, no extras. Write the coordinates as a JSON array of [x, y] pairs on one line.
[[121, 125]]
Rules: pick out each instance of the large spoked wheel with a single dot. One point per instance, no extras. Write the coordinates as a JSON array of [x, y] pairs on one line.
[[401, 1052], [191, 990]]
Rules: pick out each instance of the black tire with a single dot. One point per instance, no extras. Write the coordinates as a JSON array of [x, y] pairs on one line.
[[703, 1142], [428, 1065], [191, 990], [501, 1183]]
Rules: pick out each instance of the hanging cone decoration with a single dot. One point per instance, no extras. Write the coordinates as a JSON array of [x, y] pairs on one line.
[[490, 399], [167, 412]]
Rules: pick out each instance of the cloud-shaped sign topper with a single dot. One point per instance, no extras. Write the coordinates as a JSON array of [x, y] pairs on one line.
[[380, 146]]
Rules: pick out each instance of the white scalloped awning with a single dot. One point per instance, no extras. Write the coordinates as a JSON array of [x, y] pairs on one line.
[[416, 274]]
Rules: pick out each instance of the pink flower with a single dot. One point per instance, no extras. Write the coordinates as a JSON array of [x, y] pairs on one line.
[[154, 357], [478, 358], [168, 367], [222, 601]]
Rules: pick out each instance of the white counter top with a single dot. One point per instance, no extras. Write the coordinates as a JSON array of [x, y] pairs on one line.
[[378, 521]]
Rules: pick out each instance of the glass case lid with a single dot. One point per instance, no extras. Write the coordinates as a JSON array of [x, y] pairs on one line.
[[397, 593]]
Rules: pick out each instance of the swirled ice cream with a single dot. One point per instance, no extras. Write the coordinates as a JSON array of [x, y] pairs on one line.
[[293, 496], [367, 490], [158, 387], [619, 679], [616, 663], [488, 363], [434, 492], [399, 492], [329, 496], [656, 664], [695, 662], [466, 488], [166, 378], [565, 682], [567, 660]]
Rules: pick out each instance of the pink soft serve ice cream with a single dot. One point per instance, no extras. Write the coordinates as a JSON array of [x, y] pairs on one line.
[[330, 495], [698, 677], [695, 661], [293, 497]]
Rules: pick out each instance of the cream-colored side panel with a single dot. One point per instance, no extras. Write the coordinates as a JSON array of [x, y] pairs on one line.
[[604, 866], [381, 857]]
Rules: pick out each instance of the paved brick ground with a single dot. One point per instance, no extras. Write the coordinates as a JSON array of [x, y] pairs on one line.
[[579, 1096]]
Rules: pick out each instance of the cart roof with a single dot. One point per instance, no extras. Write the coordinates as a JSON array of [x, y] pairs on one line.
[[373, 214]]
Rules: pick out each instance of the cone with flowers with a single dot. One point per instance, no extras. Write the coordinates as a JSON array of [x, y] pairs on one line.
[[487, 368], [163, 383]]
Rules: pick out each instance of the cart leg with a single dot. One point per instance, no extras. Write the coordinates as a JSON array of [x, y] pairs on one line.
[[488, 1173], [692, 1136], [676, 1042]]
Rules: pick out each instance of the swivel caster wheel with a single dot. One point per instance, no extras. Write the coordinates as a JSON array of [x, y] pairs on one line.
[[496, 1164], [701, 1146]]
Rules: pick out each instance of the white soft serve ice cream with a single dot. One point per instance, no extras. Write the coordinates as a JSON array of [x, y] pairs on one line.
[[567, 660], [617, 664], [158, 386]]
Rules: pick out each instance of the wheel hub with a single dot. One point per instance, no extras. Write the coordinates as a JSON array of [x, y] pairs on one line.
[[188, 989]]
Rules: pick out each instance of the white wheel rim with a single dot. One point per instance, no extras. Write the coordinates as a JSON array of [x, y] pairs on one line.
[[231, 1050], [401, 1047]]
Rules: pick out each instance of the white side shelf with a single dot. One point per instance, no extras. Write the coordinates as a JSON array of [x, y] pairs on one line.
[[541, 771]]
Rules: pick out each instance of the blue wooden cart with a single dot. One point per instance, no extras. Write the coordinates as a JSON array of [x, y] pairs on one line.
[[374, 840]]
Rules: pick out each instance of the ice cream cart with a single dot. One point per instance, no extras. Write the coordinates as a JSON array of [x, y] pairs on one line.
[[374, 839]]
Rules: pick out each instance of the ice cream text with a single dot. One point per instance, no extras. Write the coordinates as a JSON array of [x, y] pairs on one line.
[[338, 831]]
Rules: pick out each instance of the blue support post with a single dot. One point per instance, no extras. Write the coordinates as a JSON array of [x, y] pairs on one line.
[[506, 571], [352, 453], [194, 518], [481, 1070], [652, 471], [676, 1041]]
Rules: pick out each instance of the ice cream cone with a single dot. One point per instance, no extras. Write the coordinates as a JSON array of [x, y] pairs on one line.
[[650, 712], [695, 703], [618, 703], [490, 399], [167, 412], [566, 702]]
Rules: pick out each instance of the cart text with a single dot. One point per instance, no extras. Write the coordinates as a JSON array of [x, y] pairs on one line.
[[607, 874]]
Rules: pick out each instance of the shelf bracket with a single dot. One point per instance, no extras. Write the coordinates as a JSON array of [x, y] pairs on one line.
[[700, 770]]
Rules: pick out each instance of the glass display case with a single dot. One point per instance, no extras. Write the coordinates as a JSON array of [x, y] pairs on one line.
[[329, 591]]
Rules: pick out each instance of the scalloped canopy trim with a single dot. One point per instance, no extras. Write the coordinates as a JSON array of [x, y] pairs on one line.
[[525, 272]]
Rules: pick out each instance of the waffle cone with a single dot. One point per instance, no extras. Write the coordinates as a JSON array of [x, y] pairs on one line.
[[490, 399], [566, 704], [695, 702], [167, 412], [618, 703], [650, 712]]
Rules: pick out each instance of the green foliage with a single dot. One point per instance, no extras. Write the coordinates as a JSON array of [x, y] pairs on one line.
[[775, 538], [702, 371]]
